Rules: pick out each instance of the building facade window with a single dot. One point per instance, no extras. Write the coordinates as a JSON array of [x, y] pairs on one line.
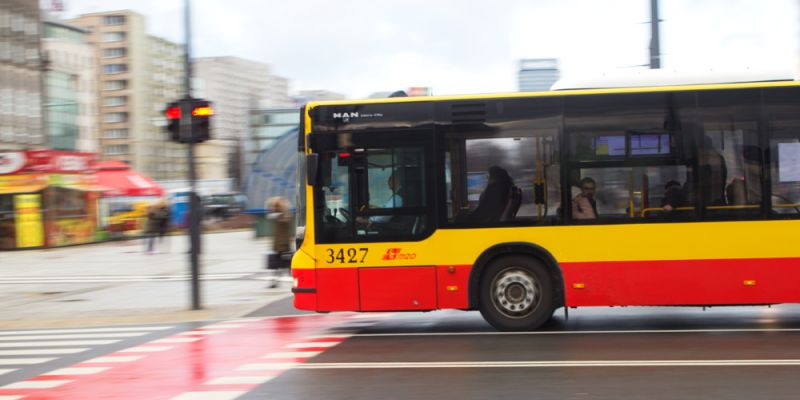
[[115, 84], [115, 68], [115, 52], [114, 101], [113, 36], [116, 134], [116, 149], [115, 117], [114, 20]]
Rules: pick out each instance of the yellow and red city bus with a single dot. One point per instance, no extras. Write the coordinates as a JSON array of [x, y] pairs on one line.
[[519, 204]]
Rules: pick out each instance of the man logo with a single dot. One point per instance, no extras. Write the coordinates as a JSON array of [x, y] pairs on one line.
[[345, 115]]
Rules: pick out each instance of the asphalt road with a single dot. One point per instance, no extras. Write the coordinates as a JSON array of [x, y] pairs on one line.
[[598, 353]]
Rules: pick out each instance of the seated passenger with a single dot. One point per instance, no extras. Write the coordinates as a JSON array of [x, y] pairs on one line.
[[584, 205], [674, 196], [495, 196]]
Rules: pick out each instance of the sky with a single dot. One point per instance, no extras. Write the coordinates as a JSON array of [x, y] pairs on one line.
[[357, 47]]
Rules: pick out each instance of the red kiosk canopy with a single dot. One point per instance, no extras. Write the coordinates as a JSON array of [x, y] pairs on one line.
[[123, 182]]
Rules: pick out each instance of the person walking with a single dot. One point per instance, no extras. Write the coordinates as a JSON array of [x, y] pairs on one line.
[[281, 258], [157, 224]]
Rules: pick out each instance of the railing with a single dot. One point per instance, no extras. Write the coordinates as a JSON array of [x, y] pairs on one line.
[[644, 212]]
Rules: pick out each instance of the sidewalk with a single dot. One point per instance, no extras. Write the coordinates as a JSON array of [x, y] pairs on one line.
[[117, 283]]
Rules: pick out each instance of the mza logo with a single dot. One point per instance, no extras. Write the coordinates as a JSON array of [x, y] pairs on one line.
[[397, 254]]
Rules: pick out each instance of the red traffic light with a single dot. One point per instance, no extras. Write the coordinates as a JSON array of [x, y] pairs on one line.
[[173, 112]]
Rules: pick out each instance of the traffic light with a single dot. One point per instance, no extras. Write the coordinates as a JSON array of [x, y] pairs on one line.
[[201, 120], [200, 112], [173, 114]]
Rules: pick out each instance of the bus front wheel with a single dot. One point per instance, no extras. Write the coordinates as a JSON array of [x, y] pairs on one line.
[[516, 294]]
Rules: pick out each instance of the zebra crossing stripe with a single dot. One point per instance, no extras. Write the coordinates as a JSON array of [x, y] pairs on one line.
[[41, 352], [74, 336], [85, 330], [24, 361], [77, 371], [59, 343], [48, 384]]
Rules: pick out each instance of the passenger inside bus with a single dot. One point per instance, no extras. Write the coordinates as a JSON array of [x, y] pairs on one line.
[[584, 205], [674, 196], [494, 199]]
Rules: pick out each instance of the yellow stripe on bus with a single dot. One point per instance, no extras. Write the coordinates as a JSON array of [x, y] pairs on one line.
[[589, 243]]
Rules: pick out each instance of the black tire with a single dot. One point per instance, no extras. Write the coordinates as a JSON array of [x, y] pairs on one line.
[[516, 294]]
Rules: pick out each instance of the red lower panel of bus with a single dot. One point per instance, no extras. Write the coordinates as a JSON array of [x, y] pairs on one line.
[[382, 289], [694, 282], [631, 283]]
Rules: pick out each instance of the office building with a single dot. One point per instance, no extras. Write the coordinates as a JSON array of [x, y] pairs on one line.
[[537, 74], [21, 119], [70, 88], [235, 86]]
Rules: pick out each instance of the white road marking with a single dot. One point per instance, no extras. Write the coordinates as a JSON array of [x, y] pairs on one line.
[[268, 366], [119, 278], [190, 333], [306, 345], [40, 352], [292, 354], [35, 384], [208, 395], [145, 349], [331, 336], [575, 332], [77, 371], [11, 397], [5, 371], [59, 343], [84, 330], [551, 364], [224, 326], [24, 361], [74, 336], [240, 380], [177, 340], [113, 359]]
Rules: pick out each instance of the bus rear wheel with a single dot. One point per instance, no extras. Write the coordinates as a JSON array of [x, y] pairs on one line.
[[516, 294]]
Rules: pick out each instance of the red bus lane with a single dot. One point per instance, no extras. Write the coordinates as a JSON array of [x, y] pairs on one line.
[[220, 361]]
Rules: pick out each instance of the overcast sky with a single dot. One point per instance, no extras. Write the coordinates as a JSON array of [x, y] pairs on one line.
[[357, 47]]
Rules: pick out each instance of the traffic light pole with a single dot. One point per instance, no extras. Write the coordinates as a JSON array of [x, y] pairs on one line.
[[194, 201]]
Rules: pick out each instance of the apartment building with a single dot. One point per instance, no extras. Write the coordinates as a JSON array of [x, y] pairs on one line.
[[137, 75]]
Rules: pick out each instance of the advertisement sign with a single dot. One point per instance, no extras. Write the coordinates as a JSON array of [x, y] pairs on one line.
[[11, 162], [28, 220], [59, 161]]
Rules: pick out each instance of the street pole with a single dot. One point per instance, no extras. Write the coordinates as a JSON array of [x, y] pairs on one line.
[[655, 41], [194, 203]]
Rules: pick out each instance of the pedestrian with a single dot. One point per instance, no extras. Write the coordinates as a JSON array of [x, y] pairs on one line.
[[280, 259], [157, 224]]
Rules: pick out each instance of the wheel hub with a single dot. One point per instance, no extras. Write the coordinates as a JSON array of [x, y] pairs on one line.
[[516, 293]]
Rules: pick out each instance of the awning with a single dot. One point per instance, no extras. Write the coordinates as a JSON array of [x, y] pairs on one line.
[[122, 181], [22, 189], [26, 183], [81, 182]]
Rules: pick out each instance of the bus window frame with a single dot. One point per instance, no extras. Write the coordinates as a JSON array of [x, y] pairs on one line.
[[349, 141]]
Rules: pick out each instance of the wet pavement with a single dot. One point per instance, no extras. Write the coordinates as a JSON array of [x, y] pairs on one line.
[[118, 283]]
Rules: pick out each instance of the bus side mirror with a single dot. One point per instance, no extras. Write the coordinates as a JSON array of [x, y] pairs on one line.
[[312, 168]]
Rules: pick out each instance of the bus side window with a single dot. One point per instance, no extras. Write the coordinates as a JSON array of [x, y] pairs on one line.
[[730, 159], [783, 111]]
